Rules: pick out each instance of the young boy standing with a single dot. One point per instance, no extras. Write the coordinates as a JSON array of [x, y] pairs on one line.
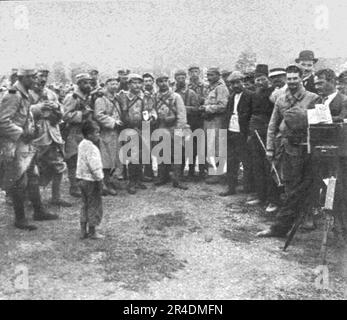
[[90, 174]]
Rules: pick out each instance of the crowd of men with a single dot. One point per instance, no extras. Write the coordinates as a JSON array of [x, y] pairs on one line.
[[264, 113]]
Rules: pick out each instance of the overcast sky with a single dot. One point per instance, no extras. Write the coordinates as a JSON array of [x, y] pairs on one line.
[[112, 34]]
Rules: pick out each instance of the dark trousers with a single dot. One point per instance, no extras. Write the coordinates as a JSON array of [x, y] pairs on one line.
[[27, 184], [264, 185], [91, 211], [238, 152], [71, 167], [297, 171], [164, 169]]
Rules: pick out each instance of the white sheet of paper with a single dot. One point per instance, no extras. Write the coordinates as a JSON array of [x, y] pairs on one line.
[[320, 114]]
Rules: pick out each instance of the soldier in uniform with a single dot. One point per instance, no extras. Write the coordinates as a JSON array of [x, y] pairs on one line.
[[48, 114], [136, 110], [288, 128], [107, 113], [123, 80], [214, 111], [77, 110], [96, 89], [19, 173], [196, 84], [306, 61], [191, 102], [171, 115], [149, 97]]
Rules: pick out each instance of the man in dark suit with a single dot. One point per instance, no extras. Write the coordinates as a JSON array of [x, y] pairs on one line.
[[306, 61], [238, 115], [325, 82]]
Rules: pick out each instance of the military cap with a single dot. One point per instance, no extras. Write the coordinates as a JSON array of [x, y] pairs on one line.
[[306, 55], [225, 72], [180, 73], [123, 72], [193, 66], [92, 71], [14, 70], [213, 70], [342, 76], [148, 75], [83, 76], [134, 76], [261, 70], [162, 76], [45, 71], [276, 72], [236, 75], [26, 72], [110, 79]]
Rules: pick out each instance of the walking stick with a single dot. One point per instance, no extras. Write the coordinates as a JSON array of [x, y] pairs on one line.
[[273, 168]]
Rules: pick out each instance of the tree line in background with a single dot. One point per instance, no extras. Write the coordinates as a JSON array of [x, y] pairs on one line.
[[246, 62]]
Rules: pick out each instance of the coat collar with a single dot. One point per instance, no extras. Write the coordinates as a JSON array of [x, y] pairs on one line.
[[164, 95], [21, 89], [81, 94], [132, 96], [216, 84], [298, 95]]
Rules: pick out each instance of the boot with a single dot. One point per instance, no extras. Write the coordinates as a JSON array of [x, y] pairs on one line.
[[131, 187], [93, 234], [140, 185], [40, 213], [107, 187], [148, 173], [56, 197], [84, 233], [18, 204]]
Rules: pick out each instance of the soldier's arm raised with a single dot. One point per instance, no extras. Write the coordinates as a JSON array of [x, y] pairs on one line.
[[8, 108], [71, 115], [222, 95]]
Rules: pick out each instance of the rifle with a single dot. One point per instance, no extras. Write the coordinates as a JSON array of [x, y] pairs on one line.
[[276, 176]]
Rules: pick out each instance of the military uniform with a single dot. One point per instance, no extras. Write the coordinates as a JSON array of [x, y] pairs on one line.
[[149, 100], [77, 110], [287, 129], [49, 142], [171, 115], [107, 113], [191, 102], [136, 109], [20, 175], [215, 104]]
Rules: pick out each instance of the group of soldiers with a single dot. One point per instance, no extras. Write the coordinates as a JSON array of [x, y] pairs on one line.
[[262, 112]]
